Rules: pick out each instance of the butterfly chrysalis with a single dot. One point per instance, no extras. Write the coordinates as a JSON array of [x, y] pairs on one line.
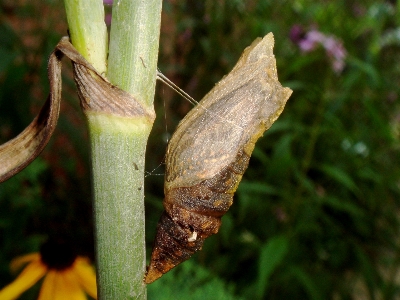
[[210, 151]]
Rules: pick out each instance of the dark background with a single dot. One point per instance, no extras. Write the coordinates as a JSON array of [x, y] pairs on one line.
[[316, 214]]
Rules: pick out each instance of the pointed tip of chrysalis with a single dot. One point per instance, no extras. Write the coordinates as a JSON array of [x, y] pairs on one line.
[[173, 245], [152, 275]]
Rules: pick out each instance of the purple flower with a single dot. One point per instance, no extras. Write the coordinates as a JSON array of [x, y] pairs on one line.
[[309, 41], [336, 53], [108, 2], [296, 34]]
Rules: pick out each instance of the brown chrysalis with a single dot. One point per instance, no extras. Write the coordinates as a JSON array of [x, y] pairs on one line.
[[210, 151]]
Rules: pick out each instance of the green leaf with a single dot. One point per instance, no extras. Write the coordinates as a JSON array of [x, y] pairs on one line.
[[307, 282], [366, 68], [344, 206], [271, 256], [249, 191], [190, 281], [369, 272], [246, 187], [341, 177]]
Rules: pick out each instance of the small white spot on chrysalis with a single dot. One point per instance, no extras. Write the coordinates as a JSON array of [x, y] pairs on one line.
[[193, 237]]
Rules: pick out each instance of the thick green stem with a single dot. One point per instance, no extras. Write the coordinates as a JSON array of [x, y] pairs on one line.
[[118, 147], [118, 152], [88, 31], [134, 37]]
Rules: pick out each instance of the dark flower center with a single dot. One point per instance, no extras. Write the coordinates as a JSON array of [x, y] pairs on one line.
[[57, 254]]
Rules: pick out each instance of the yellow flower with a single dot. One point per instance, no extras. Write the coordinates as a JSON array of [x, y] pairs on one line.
[[66, 277]]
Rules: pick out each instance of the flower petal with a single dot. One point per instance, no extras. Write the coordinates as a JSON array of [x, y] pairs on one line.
[[48, 286], [28, 277], [61, 286], [70, 287], [86, 276], [17, 262]]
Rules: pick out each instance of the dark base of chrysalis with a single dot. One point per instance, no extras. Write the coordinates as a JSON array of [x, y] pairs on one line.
[[191, 215], [174, 244]]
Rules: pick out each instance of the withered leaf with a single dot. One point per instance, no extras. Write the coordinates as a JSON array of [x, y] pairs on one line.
[[210, 151], [96, 93], [17, 153]]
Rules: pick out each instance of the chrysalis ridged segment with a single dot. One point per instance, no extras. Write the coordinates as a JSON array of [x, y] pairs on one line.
[[191, 215]]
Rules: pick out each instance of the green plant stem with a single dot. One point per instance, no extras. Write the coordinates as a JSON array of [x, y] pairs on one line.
[[118, 143], [118, 151], [118, 146], [87, 30], [134, 40]]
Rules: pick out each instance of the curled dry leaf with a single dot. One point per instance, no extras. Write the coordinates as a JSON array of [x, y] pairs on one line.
[[210, 151], [96, 93], [17, 153]]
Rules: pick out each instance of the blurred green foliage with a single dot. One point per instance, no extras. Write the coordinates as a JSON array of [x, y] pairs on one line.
[[316, 215], [202, 285]]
